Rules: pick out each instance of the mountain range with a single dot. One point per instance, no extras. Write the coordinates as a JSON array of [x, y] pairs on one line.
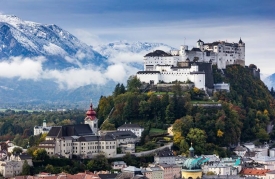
[[45, 63]]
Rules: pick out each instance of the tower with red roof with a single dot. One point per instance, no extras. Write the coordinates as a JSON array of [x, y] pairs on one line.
[[92, 120]]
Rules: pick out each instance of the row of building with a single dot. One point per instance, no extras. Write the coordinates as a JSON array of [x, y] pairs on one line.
[[85, 140]]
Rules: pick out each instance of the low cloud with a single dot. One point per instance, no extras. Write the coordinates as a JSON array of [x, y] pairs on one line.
[[22, 68], [71, 78]]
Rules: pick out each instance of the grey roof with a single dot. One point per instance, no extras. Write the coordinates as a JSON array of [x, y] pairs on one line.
[[196, 49], [158, 53], [48, 142], [70, 130], [240, 148], [107, 176], [118, 163], [122, 134], [127, 126], [146, 72], [165, 153], [25, 156], [95, 138]]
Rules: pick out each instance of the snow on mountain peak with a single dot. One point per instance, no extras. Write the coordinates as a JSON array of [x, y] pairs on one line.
[[111, 49], [35, 39]]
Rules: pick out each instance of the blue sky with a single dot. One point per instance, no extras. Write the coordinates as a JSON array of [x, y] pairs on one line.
[[171, 21]]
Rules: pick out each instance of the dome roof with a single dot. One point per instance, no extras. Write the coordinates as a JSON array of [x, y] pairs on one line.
[[91, 114], [91, 111], [191, 164]]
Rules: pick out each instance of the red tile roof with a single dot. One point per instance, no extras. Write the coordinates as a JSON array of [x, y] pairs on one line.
[[254, 172]]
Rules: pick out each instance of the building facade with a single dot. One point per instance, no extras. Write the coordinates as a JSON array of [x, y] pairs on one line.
[[135, 128], [41, 129], [79, 140], [180, 65]]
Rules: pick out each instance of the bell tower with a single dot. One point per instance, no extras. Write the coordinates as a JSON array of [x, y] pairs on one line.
[[92, 120]]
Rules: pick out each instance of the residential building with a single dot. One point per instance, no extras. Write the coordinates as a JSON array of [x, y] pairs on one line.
[[119, 165], [13, 165], [165, 156]]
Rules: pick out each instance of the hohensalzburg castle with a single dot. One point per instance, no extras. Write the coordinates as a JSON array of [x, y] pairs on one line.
[[191, 65]]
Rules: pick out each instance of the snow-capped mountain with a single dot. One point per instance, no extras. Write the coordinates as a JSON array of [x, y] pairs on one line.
[[61, 49], [131, 53], [114, 48], [270, 81], [46, 63]]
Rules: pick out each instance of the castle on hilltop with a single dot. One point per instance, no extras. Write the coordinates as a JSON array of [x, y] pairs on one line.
[[193, 65]]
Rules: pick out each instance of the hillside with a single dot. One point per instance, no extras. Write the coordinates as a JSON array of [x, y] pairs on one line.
[[245, 113]]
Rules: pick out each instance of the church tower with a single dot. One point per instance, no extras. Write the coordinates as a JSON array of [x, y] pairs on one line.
[[92, 120]]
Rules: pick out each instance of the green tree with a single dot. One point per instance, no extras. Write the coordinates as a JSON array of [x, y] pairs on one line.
[[262, 135], [108, 126], [49, 168], [26, 169], [40, 154], [198, 138], [17, 150], [99, 163], [133, 84]]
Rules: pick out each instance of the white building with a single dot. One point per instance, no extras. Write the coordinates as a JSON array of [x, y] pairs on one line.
[[118, 165], [125, 140], [180, 65], [135, 128], [13, 166], [41, 129]]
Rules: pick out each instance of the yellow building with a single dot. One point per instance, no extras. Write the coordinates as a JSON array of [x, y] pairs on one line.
[[191, 168]]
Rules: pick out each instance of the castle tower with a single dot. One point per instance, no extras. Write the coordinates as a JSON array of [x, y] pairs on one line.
[[92, 120], [200, 43], [241, 57], [44, 123]]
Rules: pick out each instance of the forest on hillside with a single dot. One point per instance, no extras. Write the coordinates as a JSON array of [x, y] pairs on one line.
[[244, 115]]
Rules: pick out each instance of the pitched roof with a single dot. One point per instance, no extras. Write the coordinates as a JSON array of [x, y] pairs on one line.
[[70, 130], [25, 156], [96, 138], [251, 171], [107, 176], [240, 148], [165, 153], [158, 53], [196, 49], [122, 134]]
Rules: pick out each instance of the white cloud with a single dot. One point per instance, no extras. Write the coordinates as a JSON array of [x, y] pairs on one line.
[[23, 68], [71, 78], [76, 77], [87, 37]]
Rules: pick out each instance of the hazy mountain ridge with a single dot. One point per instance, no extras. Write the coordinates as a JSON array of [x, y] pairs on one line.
[[270, 81]]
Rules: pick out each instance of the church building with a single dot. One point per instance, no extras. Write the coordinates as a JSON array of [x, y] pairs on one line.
[[79, 140]]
